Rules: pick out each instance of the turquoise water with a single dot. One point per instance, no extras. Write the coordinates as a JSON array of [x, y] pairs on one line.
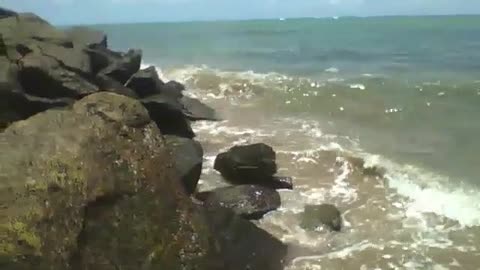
[[400, 93], [427, 67]]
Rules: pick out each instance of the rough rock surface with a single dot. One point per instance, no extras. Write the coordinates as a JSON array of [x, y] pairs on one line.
[[44, 76], [94, 187], [316, 216], [145, 82], [248, 201], [123, 68], [167, 113], [188, 158]]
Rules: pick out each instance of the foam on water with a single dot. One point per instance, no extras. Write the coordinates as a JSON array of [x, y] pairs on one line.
[[412, 193]]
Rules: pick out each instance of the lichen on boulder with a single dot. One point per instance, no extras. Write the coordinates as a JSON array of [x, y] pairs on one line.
[[93, 188]]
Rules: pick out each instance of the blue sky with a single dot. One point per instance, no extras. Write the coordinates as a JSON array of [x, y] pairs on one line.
[[111, 11]]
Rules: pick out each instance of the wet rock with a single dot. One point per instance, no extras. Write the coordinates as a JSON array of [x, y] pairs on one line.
[[196, 110], [167, 114], [101, 57], [316, 216], [282, 182], [173, 89], [188, 157], [248, 164], [123, 68], [44, 76], [248, 201], [244, 245], [145, 82], [87, 37], [108, 84]]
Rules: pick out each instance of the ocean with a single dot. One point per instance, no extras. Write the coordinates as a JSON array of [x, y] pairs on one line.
[[399, 95]]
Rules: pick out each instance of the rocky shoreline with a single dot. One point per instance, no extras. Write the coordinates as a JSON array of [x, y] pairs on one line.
[[99, 168]]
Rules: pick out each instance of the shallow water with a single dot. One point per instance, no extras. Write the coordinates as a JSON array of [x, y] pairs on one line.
[[378, 116]]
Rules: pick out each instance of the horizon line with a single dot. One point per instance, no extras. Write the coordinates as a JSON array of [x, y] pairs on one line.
[[272, 18]]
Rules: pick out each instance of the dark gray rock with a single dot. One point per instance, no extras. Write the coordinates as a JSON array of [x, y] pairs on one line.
[[146, 82], [248, 201], [167, 114], [242, 244], [173, 88], [101, 57], [107, 84], [316, 216], [196, 110], [4, 13], [281, 182], [188, 157], [87, 37], [44, 76], [20, 30], [122, 69], [248, 164], [74, 59]]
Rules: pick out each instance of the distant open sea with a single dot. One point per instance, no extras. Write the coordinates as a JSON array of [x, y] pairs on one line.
[[400, 93]]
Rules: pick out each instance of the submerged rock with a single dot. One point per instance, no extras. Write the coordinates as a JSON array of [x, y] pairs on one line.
[[84, 36], [248, 201], [188, 157], [316, 216]]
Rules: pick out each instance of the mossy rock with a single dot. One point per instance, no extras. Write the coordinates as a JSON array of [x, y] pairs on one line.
[[94, 187]]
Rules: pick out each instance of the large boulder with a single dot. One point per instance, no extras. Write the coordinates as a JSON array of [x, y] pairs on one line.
[[87, 37], [145, 82], [123, 68], [94, 187], [248, 201], [244, 245], [25, 28], [188, 157], [248, 164], [316, 216], [44, 76]]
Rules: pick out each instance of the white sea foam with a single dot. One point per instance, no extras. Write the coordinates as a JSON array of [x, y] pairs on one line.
[[332, 70], [358, 86], [425, 192], [431, 193]]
